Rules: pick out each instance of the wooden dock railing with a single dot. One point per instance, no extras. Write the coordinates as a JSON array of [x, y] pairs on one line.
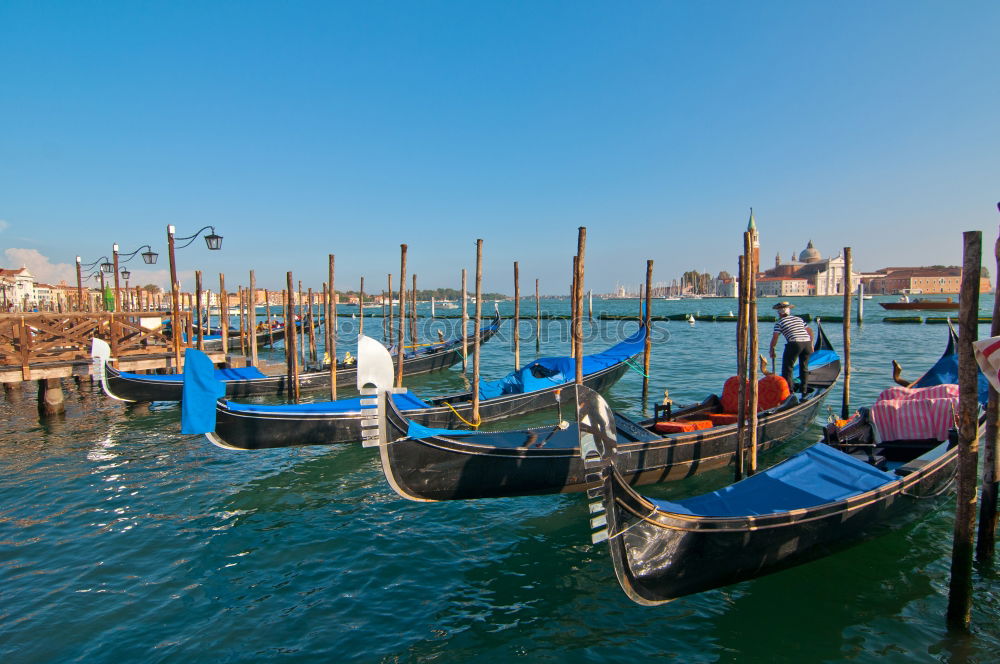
[[34, 339]]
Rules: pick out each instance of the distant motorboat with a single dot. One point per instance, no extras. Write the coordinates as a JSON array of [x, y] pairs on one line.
[[918, 303]]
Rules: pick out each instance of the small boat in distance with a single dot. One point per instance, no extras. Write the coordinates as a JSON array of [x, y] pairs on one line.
[[905, 303]]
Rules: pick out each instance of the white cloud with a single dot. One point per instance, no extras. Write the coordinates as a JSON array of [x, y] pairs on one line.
[[40, 266]]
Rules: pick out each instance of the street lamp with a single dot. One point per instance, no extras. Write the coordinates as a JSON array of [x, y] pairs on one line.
[[214, 243], [149, 256], [80, 265]]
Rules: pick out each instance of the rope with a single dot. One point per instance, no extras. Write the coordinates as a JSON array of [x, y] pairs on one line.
[[641, 519], [467, 422], [631, 365], [947, 487]]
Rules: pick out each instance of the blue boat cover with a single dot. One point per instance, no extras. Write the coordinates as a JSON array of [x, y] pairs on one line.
[[201, 390], [404, 401], [241, 373], [945, 371], [817, 475], [823, 357], [417, 431], [548, 372]]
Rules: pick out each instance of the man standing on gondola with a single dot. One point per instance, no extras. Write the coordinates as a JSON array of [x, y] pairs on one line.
[[798, 345]]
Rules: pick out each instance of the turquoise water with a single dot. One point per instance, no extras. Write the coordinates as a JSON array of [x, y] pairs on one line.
[[122, 540]]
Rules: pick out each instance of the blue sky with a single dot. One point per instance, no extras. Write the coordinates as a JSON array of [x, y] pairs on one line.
[[301, 129]]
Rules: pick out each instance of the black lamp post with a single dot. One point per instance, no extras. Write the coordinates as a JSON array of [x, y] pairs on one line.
[[80, 266], [214, 243], [149, 257]]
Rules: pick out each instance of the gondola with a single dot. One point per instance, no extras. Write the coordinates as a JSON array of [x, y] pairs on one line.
[[535, 387], [849, 487], [248, 381], [212, 339], [428, 464]]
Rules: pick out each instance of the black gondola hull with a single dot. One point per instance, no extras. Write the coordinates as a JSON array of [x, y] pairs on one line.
[[136, 388], [442, 468], [259, 430], [652, 555]]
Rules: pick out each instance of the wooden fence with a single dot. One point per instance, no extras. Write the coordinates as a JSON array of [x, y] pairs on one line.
[[45, 339]]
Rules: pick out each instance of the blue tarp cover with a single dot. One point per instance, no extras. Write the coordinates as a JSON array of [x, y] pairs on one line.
[[404, 401], [201, 390], [415, 430], [945, 371], [242, 373], [822, 357], [558, 370], [819, 474]]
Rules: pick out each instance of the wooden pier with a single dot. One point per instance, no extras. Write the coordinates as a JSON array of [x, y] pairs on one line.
[[38, 346]]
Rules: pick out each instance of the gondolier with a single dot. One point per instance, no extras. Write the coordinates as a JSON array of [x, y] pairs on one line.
[[798, 345]]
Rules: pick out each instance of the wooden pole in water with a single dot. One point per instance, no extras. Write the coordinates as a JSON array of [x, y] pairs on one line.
[[572, 309], [741, 359], [187, 320], [647, 345], [986, 537], [390, 311], [861, 303], [253, 318], [361, 308], [402, 315], [413, 314], [960, 588], [581, 250], [751, 363], [538, 319], [845, 408], [242, 315], [270, 327], [590, 303], [224, 314], [313, 355], [465, 325], [475, 339], [300, 326], [291, 343], [332, 333], [517, 317], [197, 298]]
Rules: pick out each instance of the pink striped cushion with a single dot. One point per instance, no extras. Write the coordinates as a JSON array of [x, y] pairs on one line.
[[903, 413]]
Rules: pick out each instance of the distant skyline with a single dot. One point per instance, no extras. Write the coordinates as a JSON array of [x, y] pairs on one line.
[[302, 129]]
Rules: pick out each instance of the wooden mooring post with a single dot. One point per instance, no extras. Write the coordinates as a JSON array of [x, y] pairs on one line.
[[960, 587], [986, 536], [475, 339], [252, 317], [753, 341], [197, 304], [741, 358], [517, 317], [413, 314], [224, 315], [647, 345], [391, 334], [845, 408], [581, 250], [332, 331], [361, 308], [291, 341], [313, 354], [402, 316], [465, 325], [538, 320]]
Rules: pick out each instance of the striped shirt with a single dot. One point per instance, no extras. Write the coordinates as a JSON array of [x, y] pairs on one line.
[[793, 328]]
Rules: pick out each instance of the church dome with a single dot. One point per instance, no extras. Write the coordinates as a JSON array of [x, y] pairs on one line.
[[810, 254]]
